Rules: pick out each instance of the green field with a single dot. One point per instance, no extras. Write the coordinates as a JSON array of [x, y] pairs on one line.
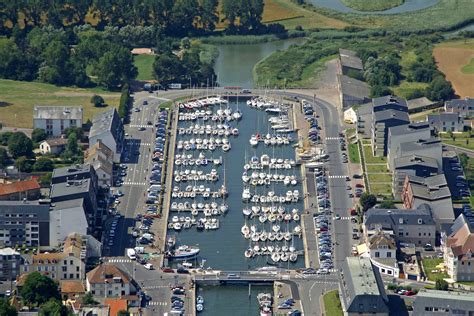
[[469, 68], [380, 188], [372, 5], [332, 304], [17, 99], [405, 88], [380, 177], [370, 158], [354, 155], [463, 140], [377, 168], [144, 64], [430, 265]]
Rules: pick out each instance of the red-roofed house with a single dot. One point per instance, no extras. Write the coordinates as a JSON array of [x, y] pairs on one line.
[[116, 305], [17, 191]]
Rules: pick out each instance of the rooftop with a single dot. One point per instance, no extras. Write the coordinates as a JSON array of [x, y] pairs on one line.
[[389, 99], [418, 103], [59, 141], [116, 305], [409, 128], [349, 59], [459, 103], [354, 87], [461, 239], [25, 207], [73, 203], [57, 112], [444, 117], [382, 240], [72, 286], [104, 122], [71, 171], [388, 114], [415, 160], [420, 144], [107, 273], [389, 218], [19, 186], [70, 188], [362, 276], [97, 149], [456, 299]]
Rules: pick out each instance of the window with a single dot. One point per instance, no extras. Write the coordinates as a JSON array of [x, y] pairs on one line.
[[64, 269], [65, 262], [389, 254], [71, 262], [377, 254], [71, 275], [65, 276], [77, 269]]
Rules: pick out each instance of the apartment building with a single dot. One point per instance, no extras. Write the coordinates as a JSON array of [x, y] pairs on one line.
[[55, 119]]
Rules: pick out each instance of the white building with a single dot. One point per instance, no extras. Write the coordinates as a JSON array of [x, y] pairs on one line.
[[101, 158], [55, 119], [107, 127], [107, 280], [382, 252], [350, 116], [53, 146]]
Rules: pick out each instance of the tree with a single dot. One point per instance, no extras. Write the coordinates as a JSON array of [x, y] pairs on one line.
[[20, 145], [43, 164], [88, 299], [97, 100], [3, 157], [379, 91], [38, 289], [46, 179], [167, 68], [53, 307], [463, 160], [23, 164], [6, 309], [441, 285], [387, 204], [76, 130], [38, 135], [439, 89], [54, 68], [367, 201], [4, 137], [72, 147], [115, 67]]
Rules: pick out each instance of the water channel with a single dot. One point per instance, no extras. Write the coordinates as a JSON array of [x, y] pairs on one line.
[[407, 6], [235, 63]]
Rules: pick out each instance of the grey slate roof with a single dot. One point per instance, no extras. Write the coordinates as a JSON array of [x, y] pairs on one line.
[[408, 128], [389, 218], [104, 122], [443, 299], [385, 115], [67, 204], [58, 112], [444, 117], [64, 189], [460, 103], [389, 99], [415, 160], [71, 171], [354, 87], [349, 59], [363, 290], [28, 207], [420, 144], [419, 103], [430, 188]]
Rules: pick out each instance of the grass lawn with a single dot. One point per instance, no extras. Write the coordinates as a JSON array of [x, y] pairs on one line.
[[354, 155], [469, 68], [332, 304], [430, 265], [369, 158], [373, 5], [311, 73], [19, 97], [461, 142], [377, 168], [144, 64], [380, 188], [380, 177], [406, 88]]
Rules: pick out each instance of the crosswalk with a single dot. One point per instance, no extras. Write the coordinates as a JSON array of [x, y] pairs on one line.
[[134, 183], [342, 218], [332, 138], [154, 287], [119, 260], [336, 177], [132, 125], [138, 142], [152, 303]]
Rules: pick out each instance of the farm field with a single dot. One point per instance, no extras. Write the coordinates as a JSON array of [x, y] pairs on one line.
[[17, 99], [454, 60], [373, 5]]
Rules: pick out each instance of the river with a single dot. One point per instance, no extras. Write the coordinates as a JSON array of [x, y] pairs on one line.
[[235, 63], [407, 6]]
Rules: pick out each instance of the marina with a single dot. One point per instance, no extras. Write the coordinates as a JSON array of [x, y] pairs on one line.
[[214, 192]]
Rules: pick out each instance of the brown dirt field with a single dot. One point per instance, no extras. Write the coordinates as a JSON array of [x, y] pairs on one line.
[[450, 60]]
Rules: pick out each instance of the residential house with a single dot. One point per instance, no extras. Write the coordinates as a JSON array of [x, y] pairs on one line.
[[53, 146], [20, 190], [458, 249], [382, 250], [107, 280], [10, 261], [71, 289], [387, 112], [55, 119], [431, 147], [101, 158], [361, 289], [69, 264], [414, 165], [433, 191], [24, 223], [434, 302], [352, 91], [116, 305], [415, 226], [446, 122], [107, 127], [402, 134], [349, 61], [464, 107], [74, 172]]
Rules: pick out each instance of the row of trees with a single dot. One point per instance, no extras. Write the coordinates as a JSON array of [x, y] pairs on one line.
[[45, 54], [173, 18]]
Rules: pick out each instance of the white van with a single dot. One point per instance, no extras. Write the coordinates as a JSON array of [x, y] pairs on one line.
[[131, 253]]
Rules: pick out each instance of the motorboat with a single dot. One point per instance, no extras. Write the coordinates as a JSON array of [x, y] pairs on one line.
[[184, 252]]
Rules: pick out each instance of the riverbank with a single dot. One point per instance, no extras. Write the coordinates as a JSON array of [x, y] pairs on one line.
[[373, 5]]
